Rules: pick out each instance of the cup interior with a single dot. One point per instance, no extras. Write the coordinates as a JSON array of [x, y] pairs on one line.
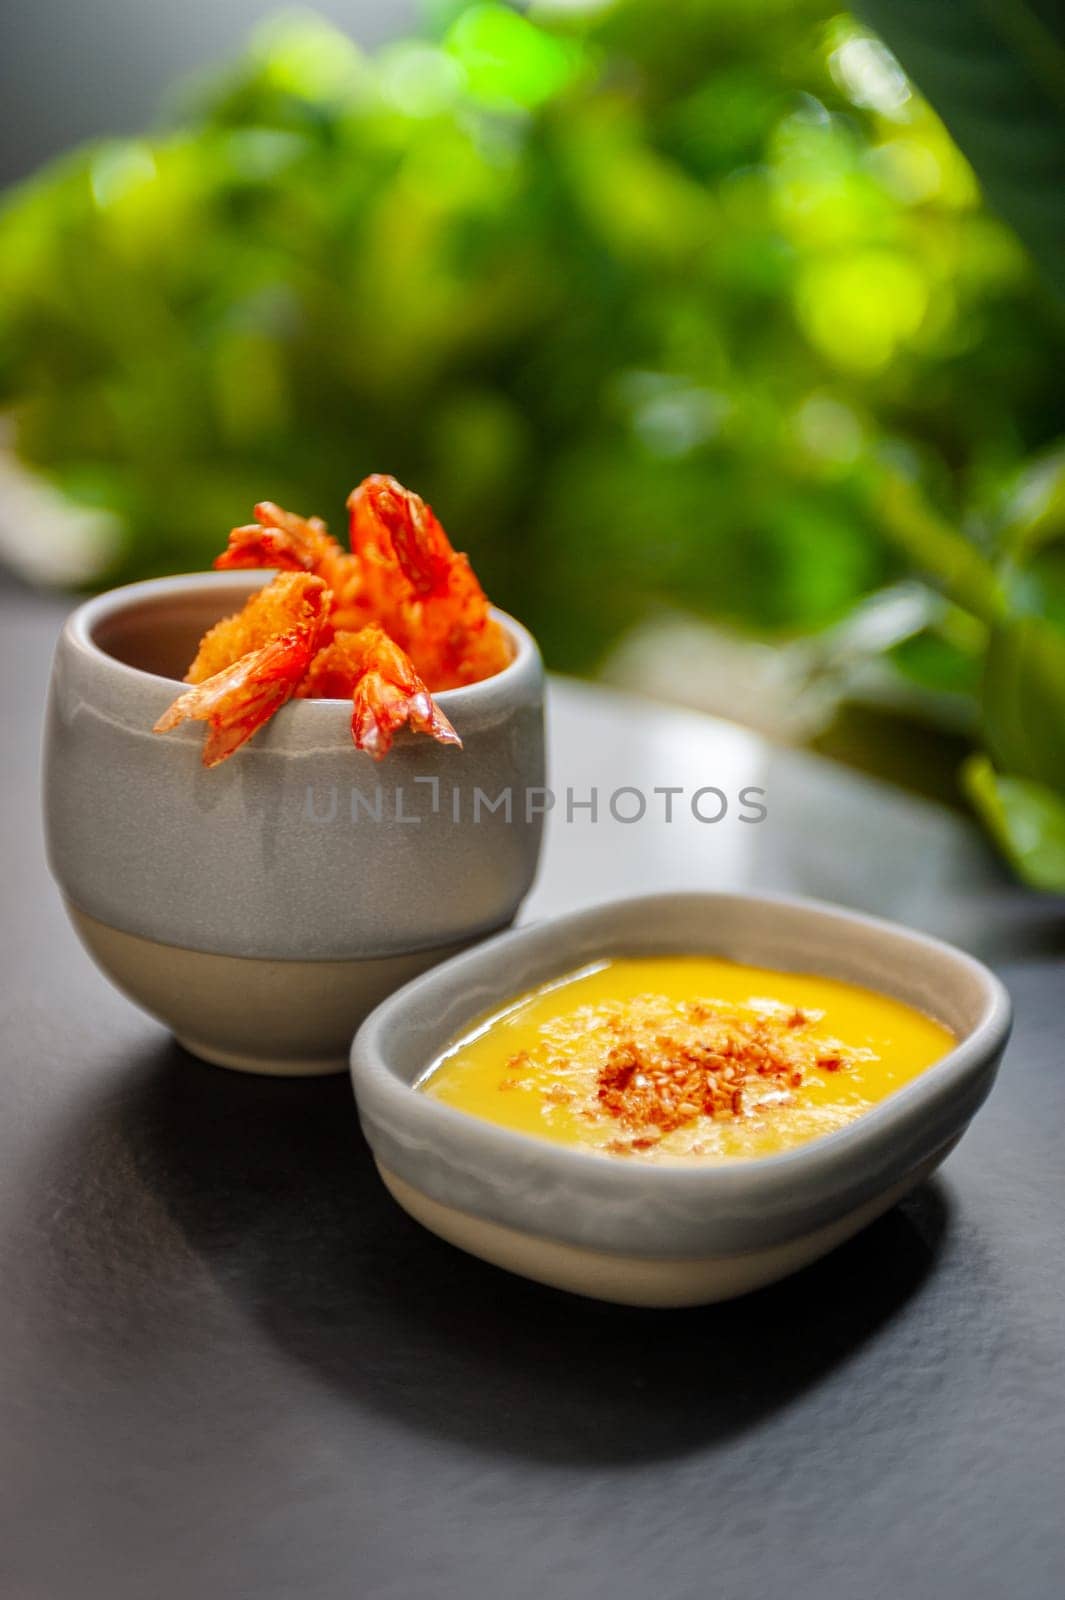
[[160, 633], [156, 627]]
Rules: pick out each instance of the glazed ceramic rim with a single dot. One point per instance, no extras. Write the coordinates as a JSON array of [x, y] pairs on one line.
[[484, 697], [728, 1208]]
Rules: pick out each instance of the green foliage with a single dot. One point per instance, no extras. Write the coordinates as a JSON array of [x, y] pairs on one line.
[[995, 72], [1024, 699], [1006, 582], [1026, 820], [685, 304]]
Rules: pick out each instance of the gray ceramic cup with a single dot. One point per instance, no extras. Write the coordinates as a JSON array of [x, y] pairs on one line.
[[262, 908]]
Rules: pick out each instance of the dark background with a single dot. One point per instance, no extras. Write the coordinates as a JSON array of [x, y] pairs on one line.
[[73, 69]]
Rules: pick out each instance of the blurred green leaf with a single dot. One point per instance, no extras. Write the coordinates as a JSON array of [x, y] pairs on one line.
[[1024, 700], [947, 557], [1034, 513], [942, 664], [1026, 819], [508, 60]]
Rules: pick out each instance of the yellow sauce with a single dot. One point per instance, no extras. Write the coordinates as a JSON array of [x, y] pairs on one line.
[[539, 1065]]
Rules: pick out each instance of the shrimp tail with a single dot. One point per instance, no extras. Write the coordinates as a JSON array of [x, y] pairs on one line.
[[425, 591], [239, 699], [385, 690], [283, 626], [279, 538], [380, 707], [383, 512]]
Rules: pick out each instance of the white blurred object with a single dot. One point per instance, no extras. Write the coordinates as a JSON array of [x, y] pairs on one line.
[[44, 536], [790, 691]]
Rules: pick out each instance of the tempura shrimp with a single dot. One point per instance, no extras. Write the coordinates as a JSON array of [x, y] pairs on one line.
[[424, 591], [385, 624], [386, 692], [250, 664], [283, 539]]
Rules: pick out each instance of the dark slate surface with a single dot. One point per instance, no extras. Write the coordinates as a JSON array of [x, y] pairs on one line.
[[231, 1368]]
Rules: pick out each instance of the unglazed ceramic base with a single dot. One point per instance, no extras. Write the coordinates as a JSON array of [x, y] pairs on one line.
[[286, 1018], [638, 1280]]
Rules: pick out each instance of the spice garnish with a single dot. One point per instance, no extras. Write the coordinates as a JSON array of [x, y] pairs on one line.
[[666, 1065]]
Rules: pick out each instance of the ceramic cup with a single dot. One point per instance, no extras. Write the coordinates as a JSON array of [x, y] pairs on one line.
[[261, 909]]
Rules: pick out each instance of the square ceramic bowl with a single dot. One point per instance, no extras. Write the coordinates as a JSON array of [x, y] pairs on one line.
[[262, 908], [645, 1234]]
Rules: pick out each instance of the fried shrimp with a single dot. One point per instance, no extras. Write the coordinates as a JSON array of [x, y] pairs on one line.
[[279, 538], [386, 692], [386, 624], [426, 592], [255, 662]]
